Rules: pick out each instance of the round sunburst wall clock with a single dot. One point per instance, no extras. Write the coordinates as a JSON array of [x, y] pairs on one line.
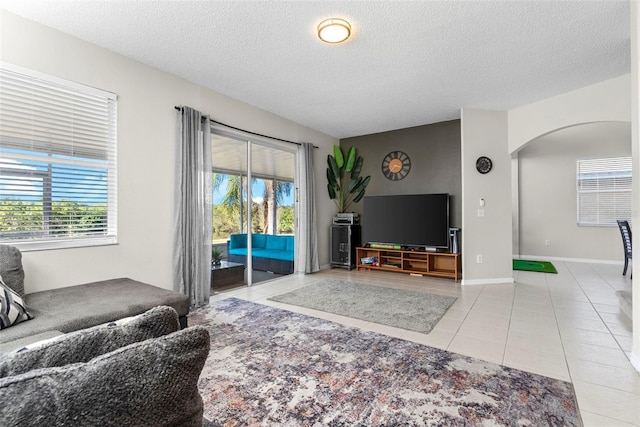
[[396, 165]]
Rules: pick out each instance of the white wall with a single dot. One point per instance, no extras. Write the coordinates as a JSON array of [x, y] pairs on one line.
[[548, 196], [484, 133], [146, 154], [605, 101], [635, 147]]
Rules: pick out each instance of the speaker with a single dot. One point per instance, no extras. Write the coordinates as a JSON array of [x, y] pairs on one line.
[[344, 240], [453, 240]]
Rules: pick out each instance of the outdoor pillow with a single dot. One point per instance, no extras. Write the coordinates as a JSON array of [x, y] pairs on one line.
[[290, 243], [259, 241], [276, 242], [237, 241]]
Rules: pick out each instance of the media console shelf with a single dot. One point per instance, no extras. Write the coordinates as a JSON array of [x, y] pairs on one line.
[[439, 264]]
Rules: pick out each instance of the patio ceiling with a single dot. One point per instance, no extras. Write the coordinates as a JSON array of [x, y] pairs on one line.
[[229, 154]]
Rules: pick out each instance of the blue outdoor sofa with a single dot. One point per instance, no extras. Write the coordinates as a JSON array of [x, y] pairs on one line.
[[269, 252]]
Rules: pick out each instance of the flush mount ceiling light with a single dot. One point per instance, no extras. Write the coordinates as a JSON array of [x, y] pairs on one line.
[[334, 30]]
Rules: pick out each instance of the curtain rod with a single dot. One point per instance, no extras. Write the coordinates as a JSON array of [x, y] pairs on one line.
[[248, 131]]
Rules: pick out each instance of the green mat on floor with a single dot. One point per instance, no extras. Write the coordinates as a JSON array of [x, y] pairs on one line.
[[539, 266]]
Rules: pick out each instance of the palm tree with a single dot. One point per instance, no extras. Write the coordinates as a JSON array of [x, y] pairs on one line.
[[233, 195], [236, 190], [273, 197]]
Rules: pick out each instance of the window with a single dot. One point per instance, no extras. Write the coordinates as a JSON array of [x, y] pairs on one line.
[[57, 162], [604, 190]]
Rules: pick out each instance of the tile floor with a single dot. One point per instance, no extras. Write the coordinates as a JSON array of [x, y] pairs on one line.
[[564, 325]]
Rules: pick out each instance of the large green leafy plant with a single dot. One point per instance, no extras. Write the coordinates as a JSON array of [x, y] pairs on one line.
[[345, 184]]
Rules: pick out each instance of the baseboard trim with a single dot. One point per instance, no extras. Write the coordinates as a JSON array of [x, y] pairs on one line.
[[564, 259], [498, 281], [325, 267]]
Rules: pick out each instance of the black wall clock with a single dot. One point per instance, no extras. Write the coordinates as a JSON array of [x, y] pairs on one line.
[[396, 165], [484, 164]]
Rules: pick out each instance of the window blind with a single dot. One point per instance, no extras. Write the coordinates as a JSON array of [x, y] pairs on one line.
[[57, 161], [604, 190]]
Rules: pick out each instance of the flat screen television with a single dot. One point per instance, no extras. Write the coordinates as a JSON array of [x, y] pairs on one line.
[[413, 221]]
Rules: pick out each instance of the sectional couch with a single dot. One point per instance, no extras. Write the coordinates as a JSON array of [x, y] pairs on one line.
[[270, 252], [72, 308]]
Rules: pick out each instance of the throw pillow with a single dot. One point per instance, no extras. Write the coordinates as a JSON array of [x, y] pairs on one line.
[[86, 344], [148, 383], [11, 268], [12, 307]]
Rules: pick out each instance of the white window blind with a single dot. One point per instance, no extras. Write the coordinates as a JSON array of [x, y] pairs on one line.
[[604, 190], [57, 161]]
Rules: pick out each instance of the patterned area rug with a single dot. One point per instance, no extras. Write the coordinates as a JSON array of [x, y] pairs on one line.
[[411, 310], [272, 367]]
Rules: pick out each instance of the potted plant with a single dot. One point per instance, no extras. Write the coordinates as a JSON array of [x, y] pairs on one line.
[[216, 256], [345, 185]]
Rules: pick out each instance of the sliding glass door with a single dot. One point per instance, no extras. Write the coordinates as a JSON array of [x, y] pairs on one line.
[[252, 212]]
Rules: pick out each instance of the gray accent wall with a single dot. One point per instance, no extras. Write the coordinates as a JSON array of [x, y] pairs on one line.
[[434, 151]]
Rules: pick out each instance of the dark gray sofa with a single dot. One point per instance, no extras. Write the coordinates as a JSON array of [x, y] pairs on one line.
[[77, 307], [140, 372]]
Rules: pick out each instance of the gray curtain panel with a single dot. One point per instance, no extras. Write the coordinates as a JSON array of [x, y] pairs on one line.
[[192, 240], [307, 246]]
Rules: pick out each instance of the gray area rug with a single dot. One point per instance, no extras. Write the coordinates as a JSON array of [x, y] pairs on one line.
[[411, 310]]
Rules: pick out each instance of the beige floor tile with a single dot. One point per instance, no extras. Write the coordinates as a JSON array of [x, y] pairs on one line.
[[545, 325], [625, 379], [620, 329], [568, 294], [612, 308], [495, 309], [533, 294], [463, 304], [491, 320], [437, 338], [608, 356], [541, 363], [454, 313], [567, 304], [484, 331], [532, 313], [495, 298], [608, 402], [624, 341], [546, 307], [545, 343], [595, 420], [596, 325], [589, 337], [562, 314], [448, 324], [490, 351], [615, 317], [541, 297]]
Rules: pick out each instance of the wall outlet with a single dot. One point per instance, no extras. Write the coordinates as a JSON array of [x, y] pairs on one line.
[[479, 259], [547, 242]]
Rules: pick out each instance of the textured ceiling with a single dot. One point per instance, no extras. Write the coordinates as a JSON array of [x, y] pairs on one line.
[[407, 63]]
